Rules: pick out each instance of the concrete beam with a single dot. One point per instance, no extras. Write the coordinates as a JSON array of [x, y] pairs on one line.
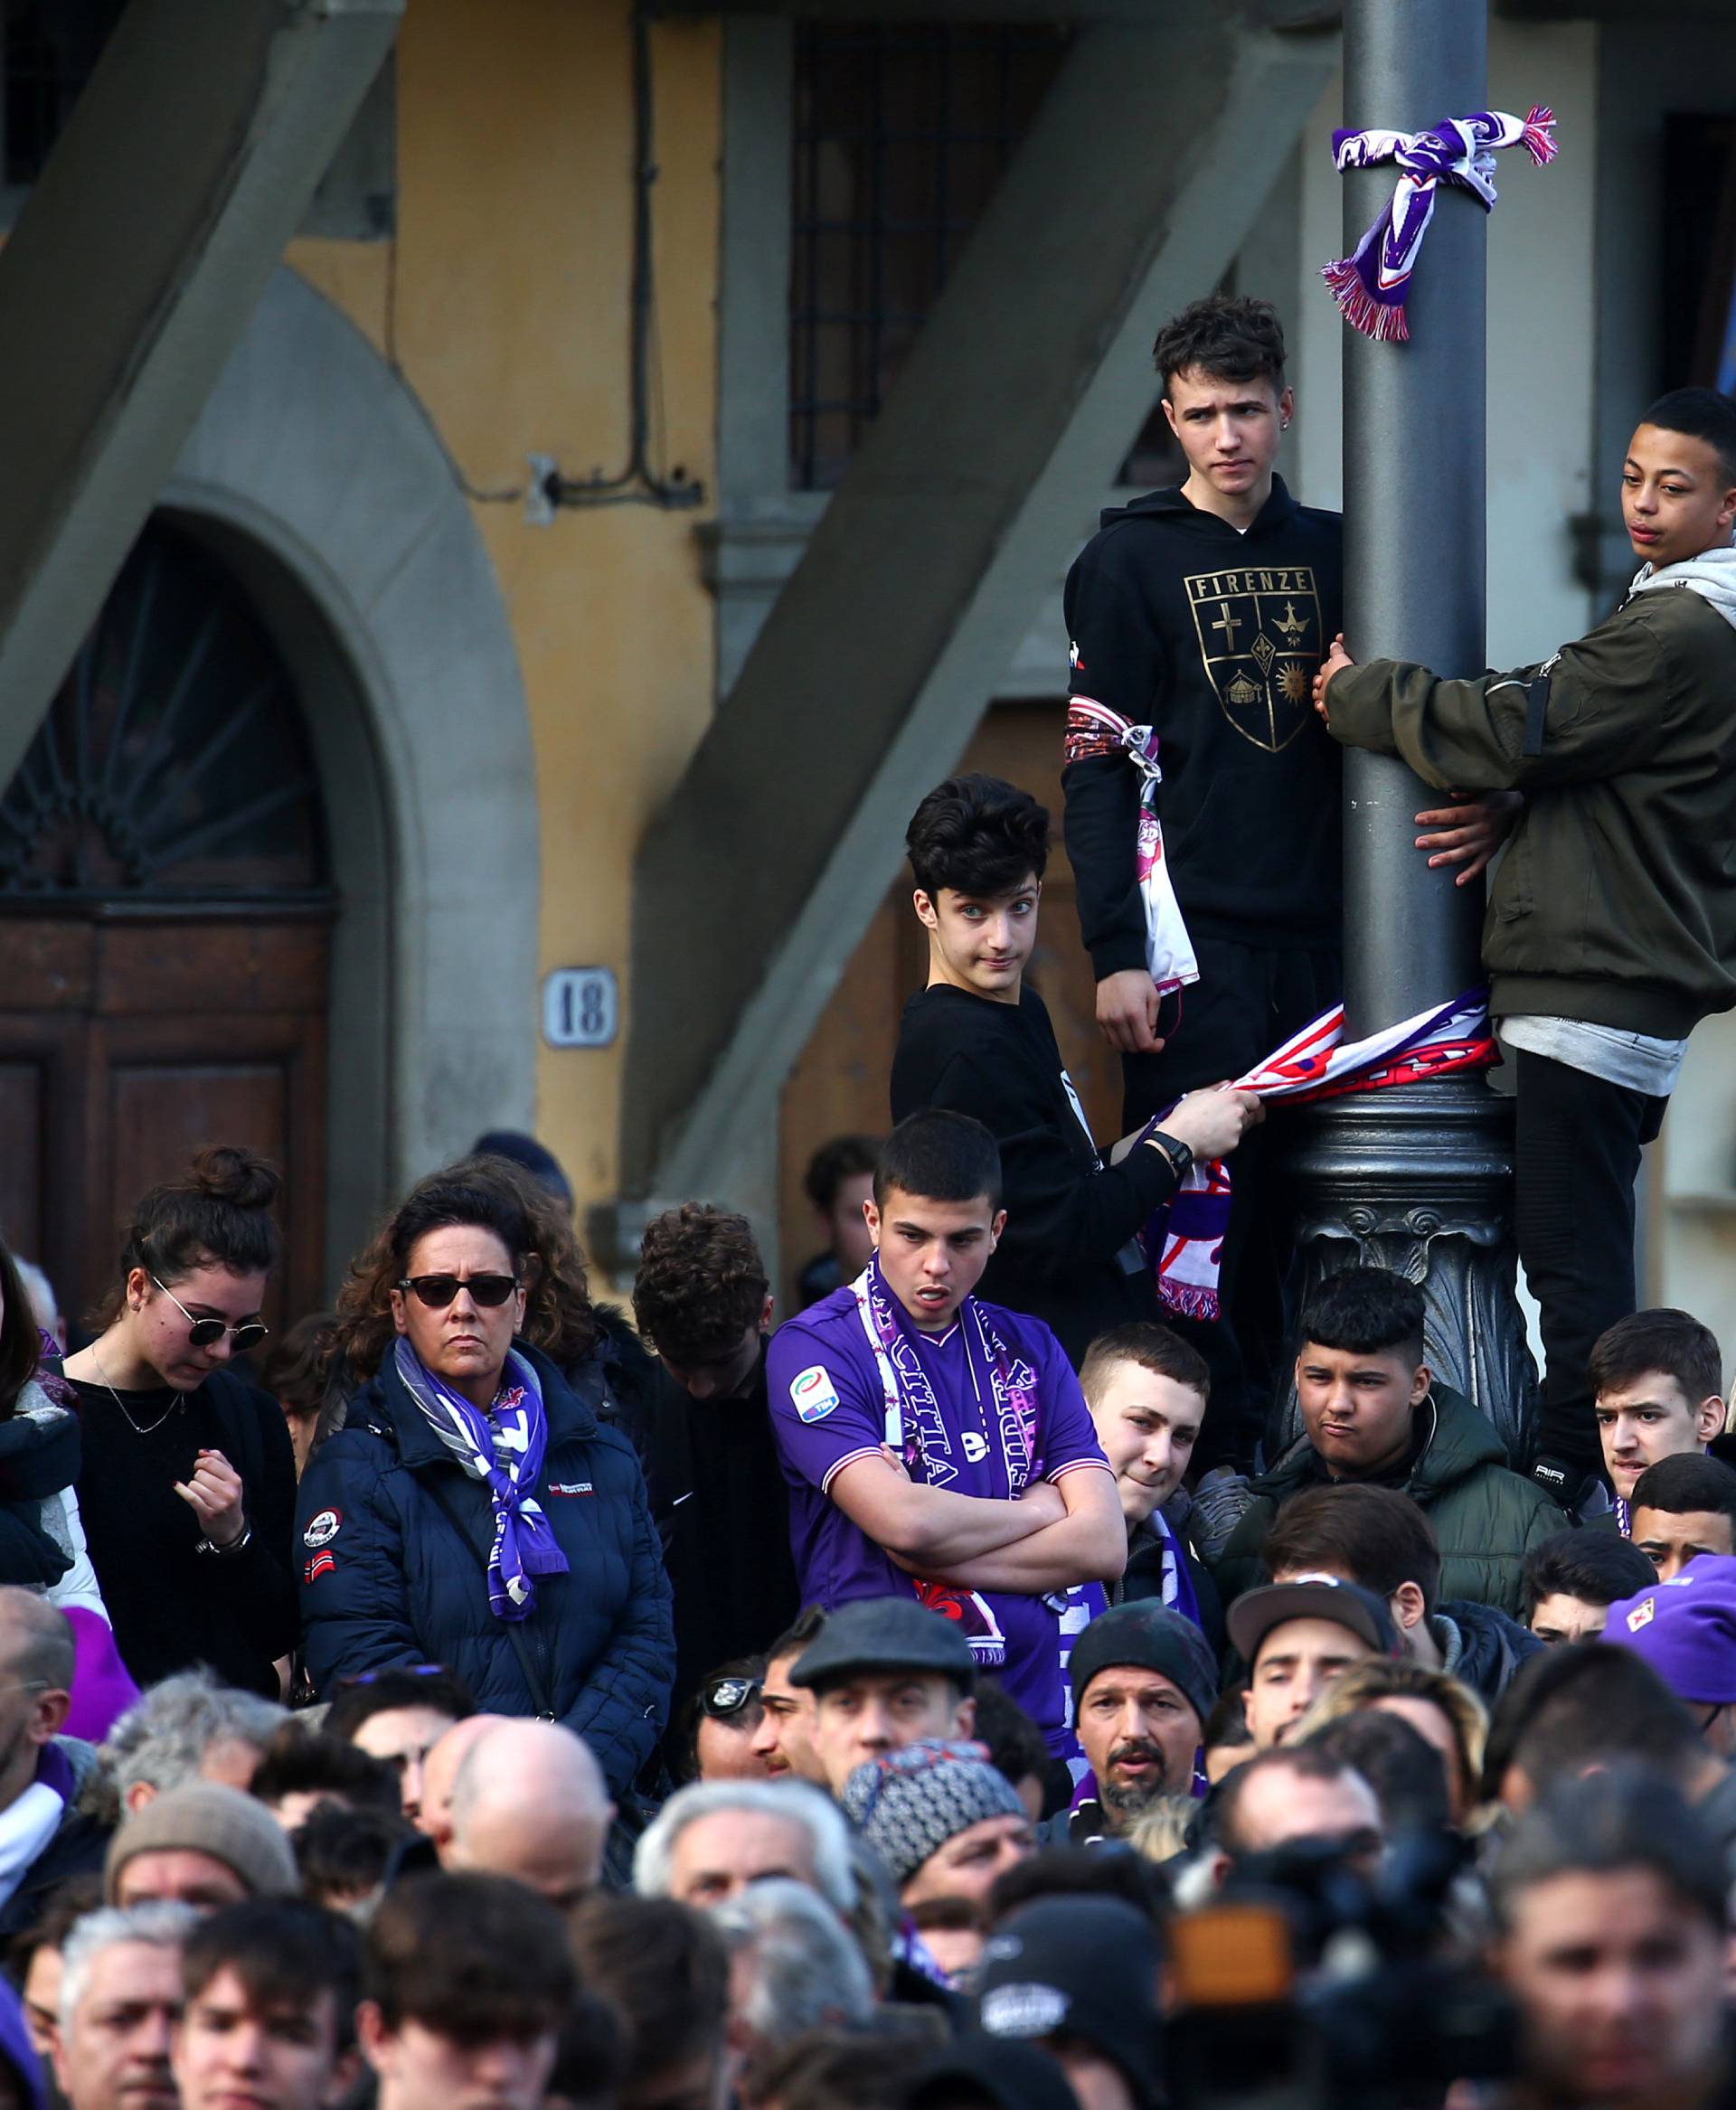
[[1136, 14], [187, 165], [758, 877]]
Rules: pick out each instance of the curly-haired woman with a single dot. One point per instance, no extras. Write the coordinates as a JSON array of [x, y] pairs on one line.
[[473, 1510]]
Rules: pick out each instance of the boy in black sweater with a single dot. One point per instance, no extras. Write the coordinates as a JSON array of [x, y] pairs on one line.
[[1204, 612], [977, 1041]]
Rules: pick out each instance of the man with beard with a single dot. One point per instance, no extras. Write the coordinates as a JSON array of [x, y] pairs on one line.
[[1144, 1680]]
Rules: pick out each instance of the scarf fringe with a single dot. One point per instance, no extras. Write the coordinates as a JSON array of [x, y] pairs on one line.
[[1187, 1300], [1381, 320], [1536, 138]]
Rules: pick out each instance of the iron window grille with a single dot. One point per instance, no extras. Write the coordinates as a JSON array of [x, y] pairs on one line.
[[902, 133], [174, 765]]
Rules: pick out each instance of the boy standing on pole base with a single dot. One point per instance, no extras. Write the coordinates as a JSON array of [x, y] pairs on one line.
[[977, 1040], [1612, 922], [1204, 613], [938, 1447]]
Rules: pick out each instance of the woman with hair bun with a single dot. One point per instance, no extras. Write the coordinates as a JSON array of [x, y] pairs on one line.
[[188, 1488], [475, 1510]]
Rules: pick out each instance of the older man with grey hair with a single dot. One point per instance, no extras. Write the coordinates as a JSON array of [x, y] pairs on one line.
[[120, 2000], [189, 1728], [794, 1966], [529, 1801], [713, 1839]]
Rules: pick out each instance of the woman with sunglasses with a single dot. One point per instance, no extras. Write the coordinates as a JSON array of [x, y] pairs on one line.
[[188, 1484], [474, 1510]]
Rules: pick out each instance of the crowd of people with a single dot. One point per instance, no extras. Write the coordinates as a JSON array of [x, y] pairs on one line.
[[1081, 1656]]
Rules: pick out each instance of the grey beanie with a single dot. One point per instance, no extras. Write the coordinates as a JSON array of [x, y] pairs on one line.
[[908, 1804], [206, 1817]]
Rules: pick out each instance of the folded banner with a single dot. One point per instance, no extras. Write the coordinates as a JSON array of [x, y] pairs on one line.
[[1092, 728], [1371, 285], [1185, 1240]]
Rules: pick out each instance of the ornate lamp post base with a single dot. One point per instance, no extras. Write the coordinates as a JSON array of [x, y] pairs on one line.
[[1418, 1178]]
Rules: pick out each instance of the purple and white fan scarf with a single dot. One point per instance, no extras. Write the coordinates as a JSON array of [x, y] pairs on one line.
[[1370, 285], [1169, 950], [1004, 1385], [1184, 1238], [503, 1449]]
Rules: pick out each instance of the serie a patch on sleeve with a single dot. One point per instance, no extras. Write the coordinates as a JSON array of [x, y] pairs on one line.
[[812, 1393]]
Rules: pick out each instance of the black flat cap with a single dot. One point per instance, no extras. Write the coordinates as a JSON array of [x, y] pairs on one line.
[[886, 1634]]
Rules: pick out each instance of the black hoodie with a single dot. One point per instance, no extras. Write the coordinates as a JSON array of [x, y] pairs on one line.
[[1179, 622]]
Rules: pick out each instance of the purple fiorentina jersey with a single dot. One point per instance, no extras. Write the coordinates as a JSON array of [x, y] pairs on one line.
[[828, 1409]]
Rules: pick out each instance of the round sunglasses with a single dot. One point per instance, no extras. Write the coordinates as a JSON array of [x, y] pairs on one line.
[[437, 1291], [207, 1332]]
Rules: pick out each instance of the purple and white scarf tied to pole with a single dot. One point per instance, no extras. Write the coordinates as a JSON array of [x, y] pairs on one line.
[[1169, 950], [1184, 1238], [1371, 285], [503, 1449]]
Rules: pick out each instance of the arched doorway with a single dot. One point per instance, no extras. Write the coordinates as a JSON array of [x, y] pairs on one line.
[[165, 916]]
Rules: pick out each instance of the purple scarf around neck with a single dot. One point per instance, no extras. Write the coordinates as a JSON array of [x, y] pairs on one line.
[[503, 1449]]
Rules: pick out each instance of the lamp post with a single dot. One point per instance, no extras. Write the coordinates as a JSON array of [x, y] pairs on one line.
[[1417, 1178]]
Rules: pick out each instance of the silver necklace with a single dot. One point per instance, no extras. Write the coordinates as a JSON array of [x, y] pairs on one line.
[[121, 1403]]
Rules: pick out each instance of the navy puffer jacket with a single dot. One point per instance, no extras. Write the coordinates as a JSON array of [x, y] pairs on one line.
[[394, 1541]]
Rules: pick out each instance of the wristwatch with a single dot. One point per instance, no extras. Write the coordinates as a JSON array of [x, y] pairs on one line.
[[1179, 1153], [227, 1552]]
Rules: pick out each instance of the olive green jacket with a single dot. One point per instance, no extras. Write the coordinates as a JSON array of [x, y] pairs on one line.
[[1485, 1517], [1616, 901]]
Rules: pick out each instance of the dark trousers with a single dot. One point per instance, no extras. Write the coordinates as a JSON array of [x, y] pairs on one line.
[[1577, 1142], [1248, 1001]]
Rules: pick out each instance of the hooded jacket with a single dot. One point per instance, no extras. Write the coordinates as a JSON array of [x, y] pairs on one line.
[[1481, 1646], [395, 1539], [1616, 901], [1211, 636], [1486, 1518]]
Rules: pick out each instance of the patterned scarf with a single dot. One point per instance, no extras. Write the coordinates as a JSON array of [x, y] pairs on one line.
[[1092, 728], [503, 1449], [915, 1430], [1370, 285], [1184, 1238]]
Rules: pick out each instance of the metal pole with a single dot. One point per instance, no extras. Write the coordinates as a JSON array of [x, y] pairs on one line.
[[1414, 539], [1417, 1178]]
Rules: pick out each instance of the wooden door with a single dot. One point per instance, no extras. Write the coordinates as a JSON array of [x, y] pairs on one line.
[[165, 908], [158, 1038]]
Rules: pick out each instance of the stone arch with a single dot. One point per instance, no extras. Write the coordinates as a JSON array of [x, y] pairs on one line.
[[317, 477]]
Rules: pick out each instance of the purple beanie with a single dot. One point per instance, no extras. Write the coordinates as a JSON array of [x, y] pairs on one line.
[[1686, 1629]]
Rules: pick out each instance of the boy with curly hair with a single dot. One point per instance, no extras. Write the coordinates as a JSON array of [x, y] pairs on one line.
[[704, 1300]]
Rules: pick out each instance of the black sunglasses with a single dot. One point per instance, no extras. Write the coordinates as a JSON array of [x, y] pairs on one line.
[[437, 1291], [725, 1697]]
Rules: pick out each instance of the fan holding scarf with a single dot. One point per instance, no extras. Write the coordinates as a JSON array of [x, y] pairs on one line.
[[938, 1447], [474, 1510]]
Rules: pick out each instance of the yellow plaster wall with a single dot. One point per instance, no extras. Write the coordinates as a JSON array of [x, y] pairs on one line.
[[505, 307]]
